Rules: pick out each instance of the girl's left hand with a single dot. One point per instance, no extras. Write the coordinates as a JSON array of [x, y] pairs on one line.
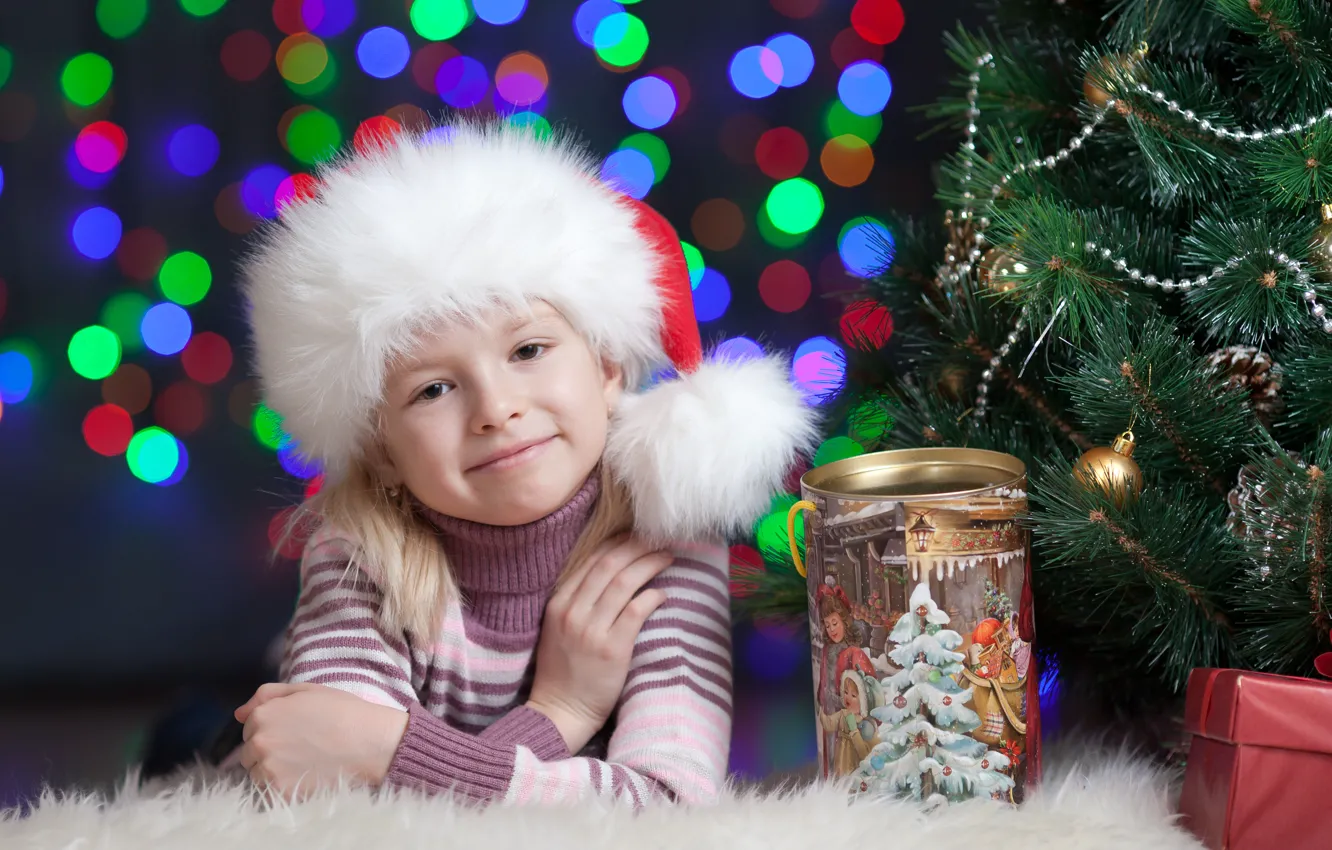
[[307, 736]]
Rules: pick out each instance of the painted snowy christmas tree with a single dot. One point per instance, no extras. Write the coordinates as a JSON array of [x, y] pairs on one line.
[[924, 748]]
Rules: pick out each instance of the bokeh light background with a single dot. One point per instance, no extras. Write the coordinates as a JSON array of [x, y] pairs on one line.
[[143, 481]]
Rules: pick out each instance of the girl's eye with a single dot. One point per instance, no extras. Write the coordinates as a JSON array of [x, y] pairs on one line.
[[531, 351], [432, 391]]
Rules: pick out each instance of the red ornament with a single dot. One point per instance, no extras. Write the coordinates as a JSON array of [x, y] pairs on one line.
[[864, 786], [900, 701], [985, 764], [867, 325], [947, 700], [947, 771]]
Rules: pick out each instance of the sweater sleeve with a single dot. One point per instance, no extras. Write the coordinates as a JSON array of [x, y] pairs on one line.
[[335, 638], [672, 736]]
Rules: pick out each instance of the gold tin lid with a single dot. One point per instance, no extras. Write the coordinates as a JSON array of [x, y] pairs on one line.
[[916, 473]]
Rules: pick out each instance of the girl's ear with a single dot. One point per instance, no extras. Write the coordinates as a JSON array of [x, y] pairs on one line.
[[612, 382], [380, 464]]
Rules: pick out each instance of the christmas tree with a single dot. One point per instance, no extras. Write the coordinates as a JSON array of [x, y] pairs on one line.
[[1128, 287], [924, 748]]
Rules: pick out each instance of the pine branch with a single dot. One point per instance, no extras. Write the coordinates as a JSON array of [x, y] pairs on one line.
[[1031, 395], [1191, 422], [1140, 584], [1141, 394], [1153, 567]]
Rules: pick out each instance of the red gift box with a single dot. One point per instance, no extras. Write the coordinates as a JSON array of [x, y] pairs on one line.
[[1260, 764]]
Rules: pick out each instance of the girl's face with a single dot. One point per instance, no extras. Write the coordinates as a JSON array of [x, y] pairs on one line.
[[850, 694], [499, 422], [835, 628]]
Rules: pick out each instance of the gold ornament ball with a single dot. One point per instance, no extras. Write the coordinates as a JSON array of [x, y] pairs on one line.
[[1112, 470], [996, 270], [1127, 65], [953, 381], [1322, 243]]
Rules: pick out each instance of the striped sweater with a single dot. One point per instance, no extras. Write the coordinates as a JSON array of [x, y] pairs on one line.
[[468, 730]]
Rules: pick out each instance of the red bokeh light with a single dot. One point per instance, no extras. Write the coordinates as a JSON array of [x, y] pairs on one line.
[[878, 21], [375, 133], [181, 408], [866, 325], [848, 47], [207, 357], [245, 55], [781, 153], [107, 429], [784, 286], [140, 254]]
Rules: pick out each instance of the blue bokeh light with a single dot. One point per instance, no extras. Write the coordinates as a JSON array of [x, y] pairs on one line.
[[590, 15], [499, 12], [15, 377], [182, 466], [737, 348], [796, 55], [193, 150], [383, 52], [866, 248], [864, 87], [462, 82], [629, 171], [259, 190], [166, 328], [712, 296], [755, 71], [649, 102], [96, 233]]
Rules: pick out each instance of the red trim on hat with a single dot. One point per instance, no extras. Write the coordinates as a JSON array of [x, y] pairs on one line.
[[679, 328]]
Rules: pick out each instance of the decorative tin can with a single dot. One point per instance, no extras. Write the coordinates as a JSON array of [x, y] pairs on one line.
[[920, 612]]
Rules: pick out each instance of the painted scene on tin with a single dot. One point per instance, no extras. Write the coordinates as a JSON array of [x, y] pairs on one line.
[[919, 670]]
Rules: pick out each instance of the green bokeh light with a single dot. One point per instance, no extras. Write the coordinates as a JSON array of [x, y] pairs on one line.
[[694, 260], [621, 39], [437, 20], [152, 455], [837, 448], [314, 136], [871, 420], [202, 8], [6, 65], [770, 534], [185, 278], [94, 352], [319, 84], [795, 205], [654, 149], [774, 237], [86, 79], [539, 126], [268, 427], [121, 18], [840, 121], [123, 314]]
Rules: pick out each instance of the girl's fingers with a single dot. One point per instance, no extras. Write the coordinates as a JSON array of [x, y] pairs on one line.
[[584, 600], [624, 587], [635, 614], [569, 584]]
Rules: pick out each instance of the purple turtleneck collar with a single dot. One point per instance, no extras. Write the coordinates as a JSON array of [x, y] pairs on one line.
[[506, 573]]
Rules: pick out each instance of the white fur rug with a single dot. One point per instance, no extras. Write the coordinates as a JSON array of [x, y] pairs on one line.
[[1109, 801]]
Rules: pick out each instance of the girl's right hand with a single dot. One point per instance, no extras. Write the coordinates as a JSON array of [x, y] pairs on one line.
[[588, 634]]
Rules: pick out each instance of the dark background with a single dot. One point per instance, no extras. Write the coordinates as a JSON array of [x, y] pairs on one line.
[[121, 598]]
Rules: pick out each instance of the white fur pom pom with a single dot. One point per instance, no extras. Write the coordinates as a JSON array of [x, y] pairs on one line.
[[703, 454]]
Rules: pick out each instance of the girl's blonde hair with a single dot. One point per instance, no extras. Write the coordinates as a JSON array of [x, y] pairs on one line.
[[403, 552]]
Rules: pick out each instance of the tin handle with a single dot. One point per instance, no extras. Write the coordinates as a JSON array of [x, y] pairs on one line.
[[802, 505]]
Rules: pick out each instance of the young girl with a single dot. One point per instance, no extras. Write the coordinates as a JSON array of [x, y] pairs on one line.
[[519, 590]]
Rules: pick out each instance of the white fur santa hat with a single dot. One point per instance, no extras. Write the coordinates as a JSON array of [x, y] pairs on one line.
[[444, 224]]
